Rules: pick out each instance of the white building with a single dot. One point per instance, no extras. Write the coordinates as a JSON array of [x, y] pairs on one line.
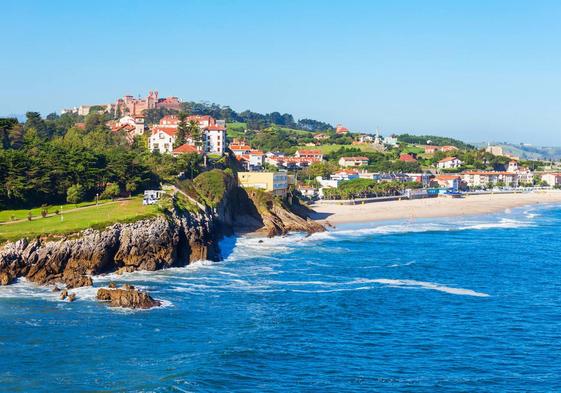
[[161, 140], [449, 163], [353, 161], [552, 179], [489, 178], [137, 122], [213, 133]]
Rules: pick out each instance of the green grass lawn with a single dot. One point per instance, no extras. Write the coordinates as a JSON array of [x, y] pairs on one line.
[[91, 217], [6, 215]]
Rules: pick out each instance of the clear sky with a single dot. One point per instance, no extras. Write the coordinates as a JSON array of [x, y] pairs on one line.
[[477, 70]]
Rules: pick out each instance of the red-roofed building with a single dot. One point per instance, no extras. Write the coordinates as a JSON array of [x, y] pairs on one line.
[[341, 130], [407, 157], [252, 160], [353, 161], [449, 181], [449, 163], [239, 149], [185, 149], [213, 132], [315, 155]]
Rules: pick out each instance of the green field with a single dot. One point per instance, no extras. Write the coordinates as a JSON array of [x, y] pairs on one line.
[[19, 214], [98, 216], [235, 130]]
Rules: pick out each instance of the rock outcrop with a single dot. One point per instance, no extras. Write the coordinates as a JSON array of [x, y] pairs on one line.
[[127, 297], [150, 244]]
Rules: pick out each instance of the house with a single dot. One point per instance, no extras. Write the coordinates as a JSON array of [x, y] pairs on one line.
[[449, 163], [308, 191], [390, 140], [213, 133], [239, 149], [252, 160], [365, 138], [552, 179], [161, 140], [341, 130], [315, 155], [185, 149], [489, 178], [343, 175], [513, 166], [407, 157], [321, 137], [448, 181], [274, 182], [131, 126], [353, 161], [429, 149], [448, 148]]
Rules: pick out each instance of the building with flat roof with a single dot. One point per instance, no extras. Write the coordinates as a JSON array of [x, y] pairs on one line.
[[275, 182]]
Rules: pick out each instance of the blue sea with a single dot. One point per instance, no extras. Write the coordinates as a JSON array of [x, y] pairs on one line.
[[470, 304]]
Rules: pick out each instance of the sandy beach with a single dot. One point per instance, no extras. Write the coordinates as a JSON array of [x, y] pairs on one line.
[[432, 207]]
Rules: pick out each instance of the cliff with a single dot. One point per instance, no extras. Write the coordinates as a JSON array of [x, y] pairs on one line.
[[152, 244], [187, 231]]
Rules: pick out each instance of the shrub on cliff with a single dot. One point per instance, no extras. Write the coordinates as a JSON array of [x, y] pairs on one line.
[[212, 186]]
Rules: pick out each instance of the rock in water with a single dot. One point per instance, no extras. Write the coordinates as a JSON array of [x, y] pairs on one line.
[[127, 297]]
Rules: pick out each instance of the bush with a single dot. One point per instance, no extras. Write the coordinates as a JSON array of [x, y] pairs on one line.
[[75, 194], [111, 191]]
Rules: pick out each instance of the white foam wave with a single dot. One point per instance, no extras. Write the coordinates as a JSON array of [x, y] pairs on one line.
[[503, 223], [429, 285]]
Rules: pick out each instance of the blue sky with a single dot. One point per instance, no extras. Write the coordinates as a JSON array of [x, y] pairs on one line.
[[477, 70]]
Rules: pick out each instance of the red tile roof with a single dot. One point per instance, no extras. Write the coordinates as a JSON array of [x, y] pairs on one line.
[[407, 158], [184, 149], [168, 130]]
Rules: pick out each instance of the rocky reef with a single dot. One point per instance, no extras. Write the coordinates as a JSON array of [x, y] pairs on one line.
[[127, 297], [186, 231]]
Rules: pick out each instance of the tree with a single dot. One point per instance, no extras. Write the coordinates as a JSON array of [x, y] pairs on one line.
[[182, 130], [34, 121], [75, 194], [111, 191], [194, 133]]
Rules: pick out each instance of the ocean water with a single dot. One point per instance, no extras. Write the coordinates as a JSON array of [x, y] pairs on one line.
[[456, 305]]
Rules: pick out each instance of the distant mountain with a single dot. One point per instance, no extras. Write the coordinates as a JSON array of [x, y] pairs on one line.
[[528, 152]]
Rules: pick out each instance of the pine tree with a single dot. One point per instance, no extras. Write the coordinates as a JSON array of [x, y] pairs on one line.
[[182, 130]]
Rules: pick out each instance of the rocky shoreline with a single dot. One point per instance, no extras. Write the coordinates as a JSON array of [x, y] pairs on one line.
[[174, 239]]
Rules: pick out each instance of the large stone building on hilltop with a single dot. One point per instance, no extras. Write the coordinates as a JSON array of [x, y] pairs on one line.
[[128, 105]]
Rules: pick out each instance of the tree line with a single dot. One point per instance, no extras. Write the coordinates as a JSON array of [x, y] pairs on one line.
[[52, 160]]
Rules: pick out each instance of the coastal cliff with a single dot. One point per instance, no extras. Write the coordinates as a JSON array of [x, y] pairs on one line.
[[186, 231], [152, 244]]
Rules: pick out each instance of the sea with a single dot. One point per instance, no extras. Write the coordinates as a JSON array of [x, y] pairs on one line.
[[463, 304]]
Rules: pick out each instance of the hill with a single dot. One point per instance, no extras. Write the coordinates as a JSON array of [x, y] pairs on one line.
[[528, 152]]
